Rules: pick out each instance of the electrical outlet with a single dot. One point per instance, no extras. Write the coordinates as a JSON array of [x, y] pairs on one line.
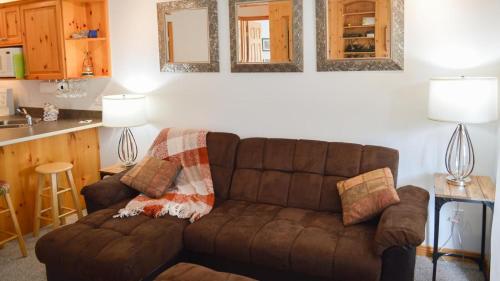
[[63, 86]]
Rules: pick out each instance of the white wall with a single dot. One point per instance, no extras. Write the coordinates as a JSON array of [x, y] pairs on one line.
[[445, 37], [190, 28]]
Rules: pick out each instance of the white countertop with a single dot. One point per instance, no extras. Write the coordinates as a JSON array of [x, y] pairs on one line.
[[43, 130]]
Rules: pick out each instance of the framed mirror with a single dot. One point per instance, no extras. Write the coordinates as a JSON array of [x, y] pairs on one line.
[[360, 35], [188, 36], [266, 35]]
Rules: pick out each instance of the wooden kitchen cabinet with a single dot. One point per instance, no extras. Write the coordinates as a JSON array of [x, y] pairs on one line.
[[44, 29], [43, 44], [350, 37], [81, 15], [10, 27], [280, 27]]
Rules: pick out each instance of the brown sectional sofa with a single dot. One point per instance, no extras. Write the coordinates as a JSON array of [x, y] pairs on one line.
[[187, 272], [277, 217]]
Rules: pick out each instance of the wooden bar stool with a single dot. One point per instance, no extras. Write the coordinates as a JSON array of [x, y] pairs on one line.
[[57, 209], [4, 192]]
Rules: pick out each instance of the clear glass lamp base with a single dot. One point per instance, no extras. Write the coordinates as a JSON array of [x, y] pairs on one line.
[[128, 164], [458, 182], [460, 159], [127, 148]]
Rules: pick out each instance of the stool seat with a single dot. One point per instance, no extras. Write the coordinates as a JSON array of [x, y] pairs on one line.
[[54, 168], [57, 210]]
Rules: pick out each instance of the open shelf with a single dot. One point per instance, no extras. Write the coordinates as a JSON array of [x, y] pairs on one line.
[[87, 39], [359, 26], [356, 38], [365, 58], [359, 13], [358, 29], [83, 15]]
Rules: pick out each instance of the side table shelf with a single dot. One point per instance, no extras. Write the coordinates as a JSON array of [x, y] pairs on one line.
[[112, 170], [480, 191]]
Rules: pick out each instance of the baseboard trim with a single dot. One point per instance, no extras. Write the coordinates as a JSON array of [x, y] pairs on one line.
[[427, 251]]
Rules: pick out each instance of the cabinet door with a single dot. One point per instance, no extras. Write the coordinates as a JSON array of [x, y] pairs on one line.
[[280, 25], [10, 26], [42, 34]]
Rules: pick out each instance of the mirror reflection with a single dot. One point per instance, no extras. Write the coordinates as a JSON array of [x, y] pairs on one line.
[[264, 31], [187, 36], [359, 29]]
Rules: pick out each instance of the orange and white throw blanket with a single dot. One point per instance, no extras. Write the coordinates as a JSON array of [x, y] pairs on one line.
[[192, 195]]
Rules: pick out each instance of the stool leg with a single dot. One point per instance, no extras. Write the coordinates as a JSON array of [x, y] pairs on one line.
[[74, 193], [22, 245], [60, 203], [38, 205], [55, 207]]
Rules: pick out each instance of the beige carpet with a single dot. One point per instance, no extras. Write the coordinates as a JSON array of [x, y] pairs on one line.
[[15, 268]]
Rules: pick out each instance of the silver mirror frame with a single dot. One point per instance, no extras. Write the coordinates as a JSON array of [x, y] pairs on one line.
[[213, 35], [297, 63], [395, 62]]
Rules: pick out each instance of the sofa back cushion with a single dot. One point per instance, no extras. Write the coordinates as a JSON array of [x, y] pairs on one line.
[[302, 173], [221, 154]]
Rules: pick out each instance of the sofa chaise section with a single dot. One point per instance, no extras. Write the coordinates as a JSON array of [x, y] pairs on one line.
[[102, 248]]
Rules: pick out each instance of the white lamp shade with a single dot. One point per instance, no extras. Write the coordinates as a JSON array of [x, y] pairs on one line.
[[123, 111], [463, 100]]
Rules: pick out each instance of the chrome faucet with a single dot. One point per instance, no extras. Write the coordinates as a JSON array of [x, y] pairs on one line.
[[28, 117]]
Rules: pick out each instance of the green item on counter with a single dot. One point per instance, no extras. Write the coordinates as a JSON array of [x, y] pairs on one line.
[[19, 66]]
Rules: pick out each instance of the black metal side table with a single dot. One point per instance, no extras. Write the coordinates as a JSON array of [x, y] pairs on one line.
[[480, 191]]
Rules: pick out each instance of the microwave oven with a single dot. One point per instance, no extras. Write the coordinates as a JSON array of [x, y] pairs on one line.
[[7, 64]]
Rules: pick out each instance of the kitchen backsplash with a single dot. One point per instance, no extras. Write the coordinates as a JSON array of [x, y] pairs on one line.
[[82, 94]]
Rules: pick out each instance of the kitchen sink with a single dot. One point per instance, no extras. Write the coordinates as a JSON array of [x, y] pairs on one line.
[[16, 123]]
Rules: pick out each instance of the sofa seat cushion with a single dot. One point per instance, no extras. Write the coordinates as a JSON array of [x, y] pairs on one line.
[[100, 247], [303, 241], [192, 272]]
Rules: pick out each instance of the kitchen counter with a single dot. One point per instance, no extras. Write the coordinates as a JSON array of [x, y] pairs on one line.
[[22, 150], [43, 129]]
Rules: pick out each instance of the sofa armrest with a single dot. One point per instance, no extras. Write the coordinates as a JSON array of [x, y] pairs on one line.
[[107, 192], [403, 224]]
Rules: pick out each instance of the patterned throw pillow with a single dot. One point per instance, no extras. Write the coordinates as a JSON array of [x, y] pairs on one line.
[[152, 176], [367, 195]]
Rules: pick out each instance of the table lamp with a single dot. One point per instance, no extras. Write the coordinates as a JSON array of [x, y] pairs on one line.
[[125, 111], [462, 100]]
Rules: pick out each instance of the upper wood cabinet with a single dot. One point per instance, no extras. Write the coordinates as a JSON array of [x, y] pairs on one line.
[[10, 26], [45, 28], [81, 15], [43, 44], [280, 26]]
